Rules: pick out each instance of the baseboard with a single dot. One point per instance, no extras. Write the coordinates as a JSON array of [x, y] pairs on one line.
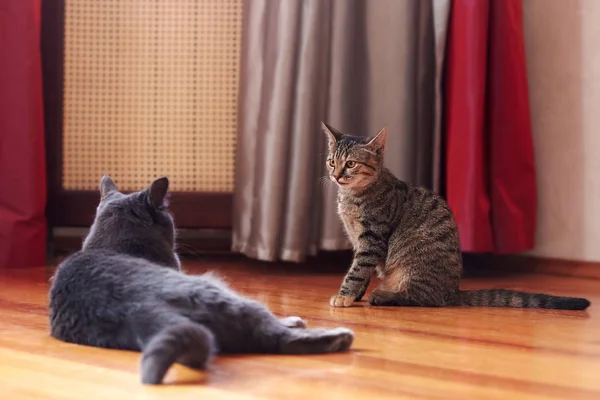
[[191, 242], [531, 265], [201, 243]]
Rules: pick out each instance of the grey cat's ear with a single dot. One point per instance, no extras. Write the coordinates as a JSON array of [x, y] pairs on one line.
[[107, 187], [377, 144], [332, 134], [157, 192]]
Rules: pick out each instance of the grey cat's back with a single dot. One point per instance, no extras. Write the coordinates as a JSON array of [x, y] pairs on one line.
[[95, 286]]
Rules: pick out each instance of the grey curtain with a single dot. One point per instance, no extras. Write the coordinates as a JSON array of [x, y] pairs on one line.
[[358, 65]]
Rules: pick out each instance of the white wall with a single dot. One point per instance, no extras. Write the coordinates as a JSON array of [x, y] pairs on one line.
[[563, 63]]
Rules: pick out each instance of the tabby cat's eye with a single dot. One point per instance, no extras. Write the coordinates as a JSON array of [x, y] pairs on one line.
[[351, 164], [331, 163]]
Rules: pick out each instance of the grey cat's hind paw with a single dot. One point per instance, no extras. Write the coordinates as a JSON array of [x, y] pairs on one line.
[[293, 322], [342, 339], [314, 341]]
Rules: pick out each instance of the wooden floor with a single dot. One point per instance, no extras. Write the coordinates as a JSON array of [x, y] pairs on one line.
[[452, 353]]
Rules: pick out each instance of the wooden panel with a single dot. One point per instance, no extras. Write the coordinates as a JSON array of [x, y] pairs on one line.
[[52, 49], [190, 210], [150, 88], [440, 353], [191, 243], [77, 208]]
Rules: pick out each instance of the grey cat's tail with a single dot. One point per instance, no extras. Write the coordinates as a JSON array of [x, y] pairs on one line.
[[188, 343], [515, 299]]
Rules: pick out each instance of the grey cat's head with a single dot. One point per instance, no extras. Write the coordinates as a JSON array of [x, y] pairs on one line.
[[354, 162], [136, 224]]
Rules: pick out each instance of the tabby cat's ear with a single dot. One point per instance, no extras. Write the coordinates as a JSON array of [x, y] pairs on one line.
[[332, 134], [377, 144], [107, 187], [157, 192]]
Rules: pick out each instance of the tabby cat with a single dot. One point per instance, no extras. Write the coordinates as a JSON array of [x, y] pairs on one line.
[[407, 234], [124, 290]]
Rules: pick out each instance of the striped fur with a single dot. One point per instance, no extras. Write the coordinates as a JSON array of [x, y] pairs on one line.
[[406, 234]]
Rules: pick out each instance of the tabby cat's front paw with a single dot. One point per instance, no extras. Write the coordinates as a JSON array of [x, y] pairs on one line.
[[341, 301]]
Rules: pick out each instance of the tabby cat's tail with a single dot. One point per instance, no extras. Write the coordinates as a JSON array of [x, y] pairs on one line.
[[187, 343], [511, 298]]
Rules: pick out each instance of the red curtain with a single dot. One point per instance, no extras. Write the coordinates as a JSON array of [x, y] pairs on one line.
[[22, 154], [490, 172]]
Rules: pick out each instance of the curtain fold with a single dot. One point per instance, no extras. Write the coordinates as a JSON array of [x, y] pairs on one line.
[[359, 65], [22, 154], [490, 173], [441, 13], [285, 44]]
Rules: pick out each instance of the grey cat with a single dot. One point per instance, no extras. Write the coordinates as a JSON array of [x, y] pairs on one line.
[[124, 290], [406, 234]]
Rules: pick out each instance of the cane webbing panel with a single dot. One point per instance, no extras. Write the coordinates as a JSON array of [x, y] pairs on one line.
[[150, 89]]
